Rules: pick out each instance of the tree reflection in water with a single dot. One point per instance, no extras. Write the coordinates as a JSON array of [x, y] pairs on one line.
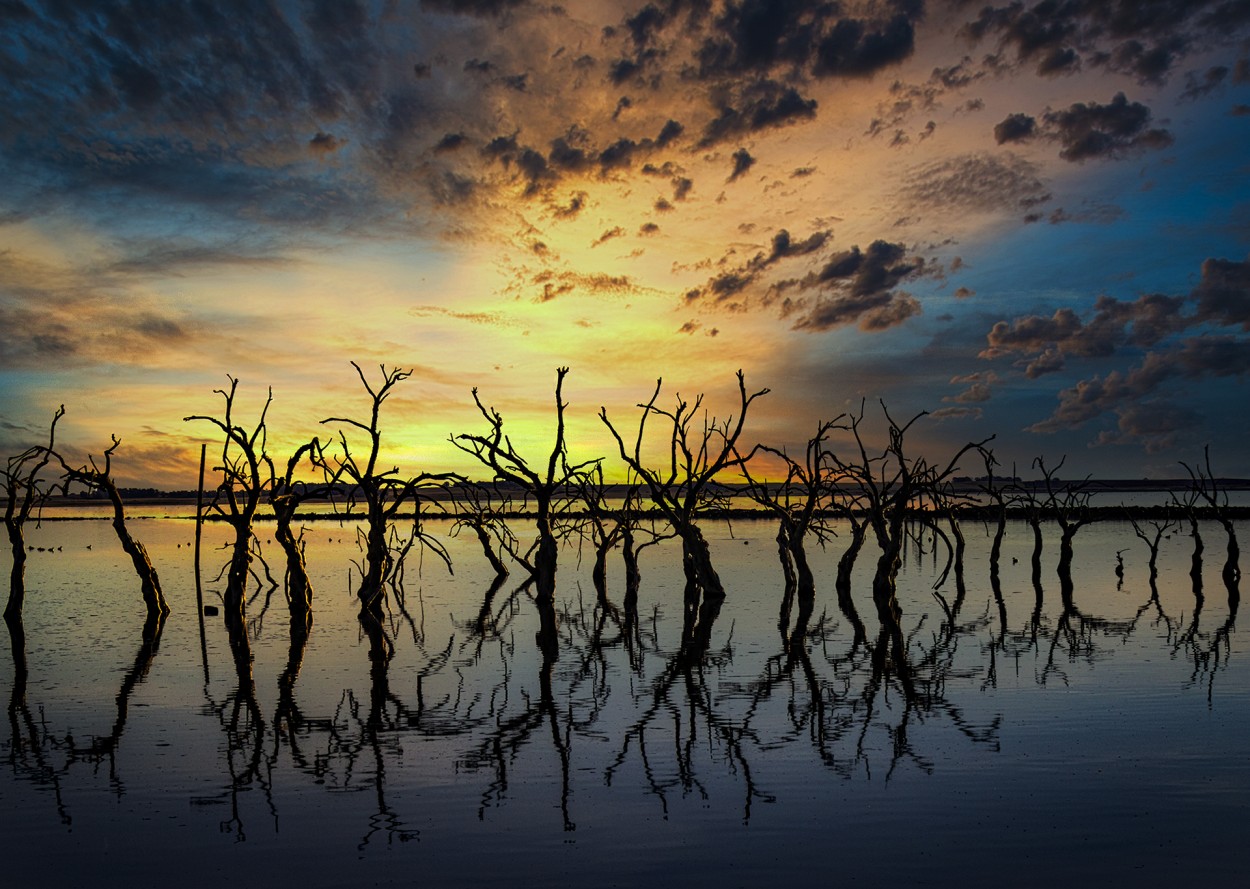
[[681, 707]]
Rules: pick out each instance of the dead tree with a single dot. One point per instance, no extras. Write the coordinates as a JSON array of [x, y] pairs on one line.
[[600, 522], [1025, 497], [1208, 490], [286, 495], [25, 491], [1152, 542], [893, 487], [244, 480], [1068, 504], [538, 486], [480, 508], [997, 497], [683, 490], [99, 477], [798, 504], [1188, 506], [382, 493]]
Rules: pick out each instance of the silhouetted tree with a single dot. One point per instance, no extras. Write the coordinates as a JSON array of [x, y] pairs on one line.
[[684, 489], [1068, 504], [893, 485], [100, 478], [286, 495], [996, 495], [540, 487], [1209, 490], [1152, 541], [600, 522], [797, 503], [25, 491], [1188, 505], [243, 483], [382, 492]]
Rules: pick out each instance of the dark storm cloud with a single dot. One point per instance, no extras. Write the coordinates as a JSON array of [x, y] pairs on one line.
[[575, 153], [742, 162], [871, 312], [208, 107], [1114, 324], [1148, 65], [746, 275], [1196, 358], [808, 36], [1090, 130], [1015, 128], [1147, 326], [1223, 293], [854, 49], [761, 105], [856, 287], [1142, 39]]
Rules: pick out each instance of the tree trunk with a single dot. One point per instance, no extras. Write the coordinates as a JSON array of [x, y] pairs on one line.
[[996, 548], [783, 554], [488, 549], [961, 589], [697, 560], [1195, 565], [240, 571], [847, 563], [1036, 562], [599, 573], [298, 586], [1066, 587], [883, 582], [17, 577], [629, 552], [1232, 570], [805, 582], [150, 583], [547, 555]]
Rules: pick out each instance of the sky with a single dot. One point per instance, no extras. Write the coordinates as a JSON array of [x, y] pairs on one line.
[[1031, 220]]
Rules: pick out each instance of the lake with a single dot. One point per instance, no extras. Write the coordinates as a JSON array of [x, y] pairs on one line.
[[1022, 743]]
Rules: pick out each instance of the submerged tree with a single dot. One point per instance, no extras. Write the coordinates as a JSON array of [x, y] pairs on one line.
[[243, 483], [1207, 489], [286, 494], [100, 478], [893, 487], [382, 492], [25, 491], [538, 486], [1152, 542], [684, 489], [1189, 508], [480, 508], [797, 502], [1068, 504]]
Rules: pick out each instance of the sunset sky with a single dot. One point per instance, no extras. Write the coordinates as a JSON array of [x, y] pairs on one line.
[[1029, 219]]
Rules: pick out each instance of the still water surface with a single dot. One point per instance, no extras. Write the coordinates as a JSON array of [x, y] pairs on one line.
[[1107, 744]]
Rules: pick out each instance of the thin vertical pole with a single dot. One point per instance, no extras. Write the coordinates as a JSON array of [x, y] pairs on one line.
[[199, 586]]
